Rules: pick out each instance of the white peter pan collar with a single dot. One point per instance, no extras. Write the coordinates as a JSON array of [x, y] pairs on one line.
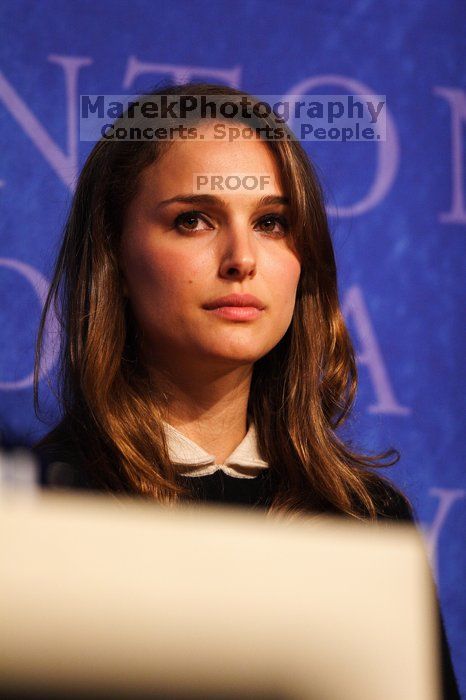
[[183, 451]]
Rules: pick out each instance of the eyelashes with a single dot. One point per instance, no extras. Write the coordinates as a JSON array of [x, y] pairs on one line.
[[193, 216], [187, 216]]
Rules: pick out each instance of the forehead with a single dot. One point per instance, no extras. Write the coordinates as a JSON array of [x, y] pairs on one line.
[[185, 159]]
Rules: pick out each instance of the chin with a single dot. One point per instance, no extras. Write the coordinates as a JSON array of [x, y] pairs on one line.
[[234, 356]]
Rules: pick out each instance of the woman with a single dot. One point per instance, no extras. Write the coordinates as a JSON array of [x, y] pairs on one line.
[[165, 392], [138, 348]]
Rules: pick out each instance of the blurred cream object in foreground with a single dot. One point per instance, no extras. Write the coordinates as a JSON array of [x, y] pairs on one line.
[[125, 599]]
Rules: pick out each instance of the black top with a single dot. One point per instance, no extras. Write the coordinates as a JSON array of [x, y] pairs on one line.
[[61, 469]]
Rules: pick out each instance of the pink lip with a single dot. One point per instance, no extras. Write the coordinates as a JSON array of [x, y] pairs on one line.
[[235, 300], [237, 313]]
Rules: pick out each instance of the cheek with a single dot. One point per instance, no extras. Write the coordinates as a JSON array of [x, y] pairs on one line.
[[285, 278], [159, 275]]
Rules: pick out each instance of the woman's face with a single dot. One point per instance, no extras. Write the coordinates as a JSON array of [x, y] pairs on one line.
[[174, 261]]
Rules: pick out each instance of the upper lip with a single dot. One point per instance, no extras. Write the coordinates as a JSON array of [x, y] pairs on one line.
[[235, 300]]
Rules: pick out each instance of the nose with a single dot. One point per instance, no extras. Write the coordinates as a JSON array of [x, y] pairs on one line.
[[238, 256]]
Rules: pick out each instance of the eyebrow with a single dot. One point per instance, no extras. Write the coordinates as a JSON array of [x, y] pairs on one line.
[[213, 200]]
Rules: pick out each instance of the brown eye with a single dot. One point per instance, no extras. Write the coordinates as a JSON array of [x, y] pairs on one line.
[[188, 221], [270, 221]]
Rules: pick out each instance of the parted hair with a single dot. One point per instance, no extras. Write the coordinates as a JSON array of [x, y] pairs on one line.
[[301, 392]]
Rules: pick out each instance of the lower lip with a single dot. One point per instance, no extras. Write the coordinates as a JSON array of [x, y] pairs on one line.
[[237, 313]]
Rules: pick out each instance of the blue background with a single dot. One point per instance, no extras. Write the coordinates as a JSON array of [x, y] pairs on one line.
[[403, 260]]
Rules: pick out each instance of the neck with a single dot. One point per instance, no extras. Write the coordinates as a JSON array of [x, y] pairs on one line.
[[210, 410]]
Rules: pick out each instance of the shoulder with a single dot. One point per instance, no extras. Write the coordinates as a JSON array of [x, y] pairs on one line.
[[390, 501], [61, 461]]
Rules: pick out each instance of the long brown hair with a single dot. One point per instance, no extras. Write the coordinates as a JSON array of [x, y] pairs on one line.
[[301, 391]]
